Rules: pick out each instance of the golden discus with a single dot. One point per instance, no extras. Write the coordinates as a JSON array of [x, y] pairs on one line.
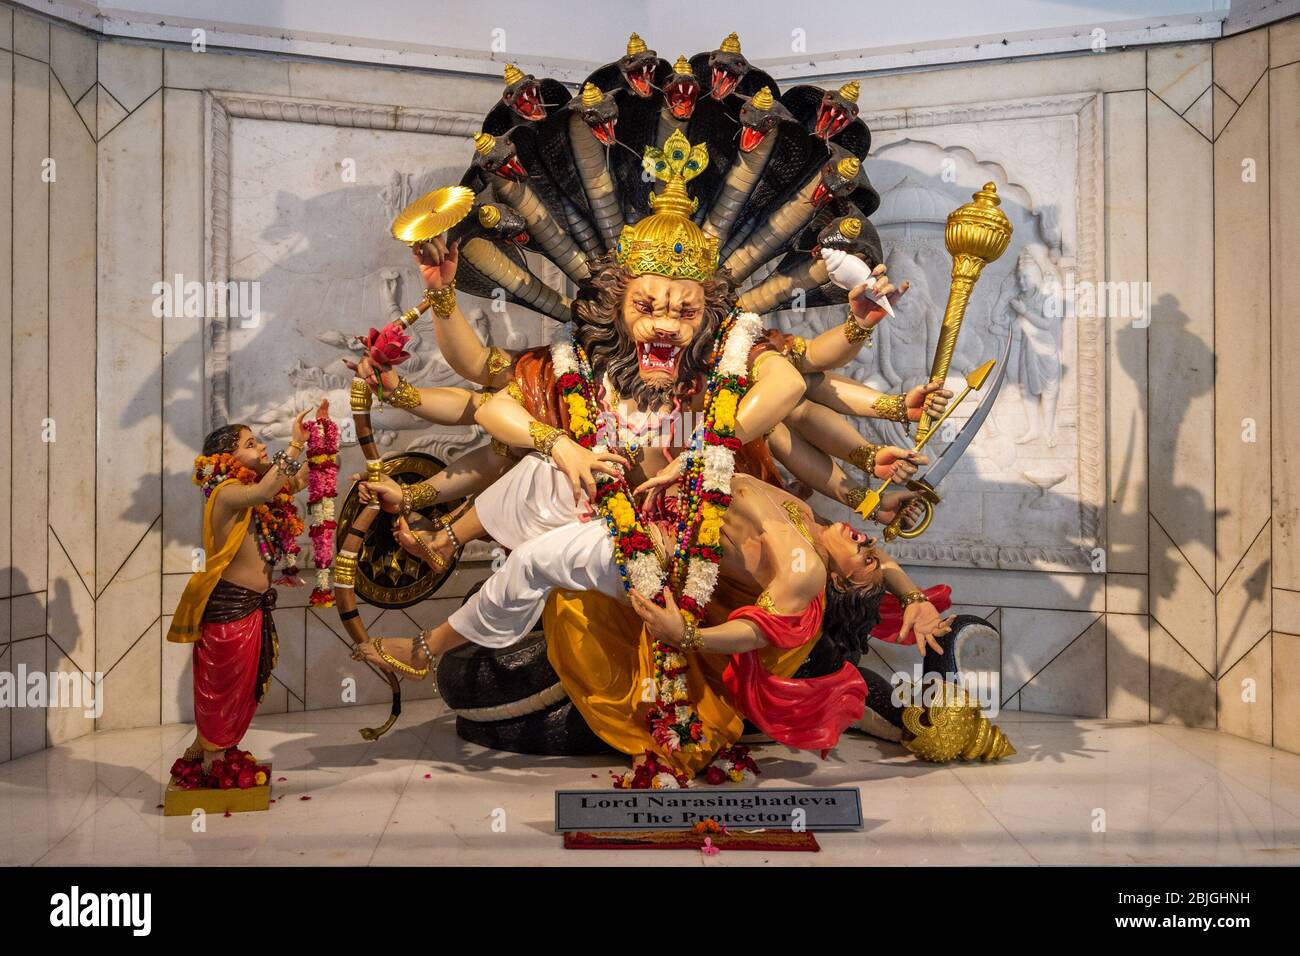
[[433, 214]]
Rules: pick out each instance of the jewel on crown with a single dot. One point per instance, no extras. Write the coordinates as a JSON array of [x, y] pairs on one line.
[[667, 243]]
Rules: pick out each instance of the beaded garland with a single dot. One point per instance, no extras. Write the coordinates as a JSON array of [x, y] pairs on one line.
[[706, 480]]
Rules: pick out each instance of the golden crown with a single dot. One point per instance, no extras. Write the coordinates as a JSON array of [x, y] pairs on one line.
[[667, 243]]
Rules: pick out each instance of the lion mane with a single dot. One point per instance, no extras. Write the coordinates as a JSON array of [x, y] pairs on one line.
[[600, 330]]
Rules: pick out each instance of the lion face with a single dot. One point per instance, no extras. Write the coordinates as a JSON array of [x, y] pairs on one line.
[[663, 317]]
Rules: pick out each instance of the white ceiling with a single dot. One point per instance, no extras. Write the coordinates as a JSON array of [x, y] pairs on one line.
[[569, 37]]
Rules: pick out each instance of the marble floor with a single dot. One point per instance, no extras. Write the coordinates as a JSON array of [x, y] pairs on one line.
[[1079, 791]]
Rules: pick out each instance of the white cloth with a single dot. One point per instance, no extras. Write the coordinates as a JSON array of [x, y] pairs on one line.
[[530, 510]]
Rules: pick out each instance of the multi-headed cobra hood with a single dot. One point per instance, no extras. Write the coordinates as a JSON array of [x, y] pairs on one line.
[[605, 174]]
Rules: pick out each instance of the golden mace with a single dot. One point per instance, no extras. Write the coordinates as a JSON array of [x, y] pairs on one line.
[[977, 234]]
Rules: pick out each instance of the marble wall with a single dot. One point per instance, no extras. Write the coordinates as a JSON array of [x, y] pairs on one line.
[[1178, 600]]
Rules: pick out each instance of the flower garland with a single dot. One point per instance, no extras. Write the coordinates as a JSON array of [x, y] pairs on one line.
[[276, 524], [673, 721], [322, 486]]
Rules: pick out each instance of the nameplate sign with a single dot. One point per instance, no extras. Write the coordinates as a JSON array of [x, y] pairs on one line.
[[834, 808]]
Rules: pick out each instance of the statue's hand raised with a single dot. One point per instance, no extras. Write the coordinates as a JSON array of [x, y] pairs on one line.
[[437, 261], [930, 398], [867, 312]]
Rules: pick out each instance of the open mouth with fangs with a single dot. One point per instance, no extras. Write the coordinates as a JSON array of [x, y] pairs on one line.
[[658, 357]]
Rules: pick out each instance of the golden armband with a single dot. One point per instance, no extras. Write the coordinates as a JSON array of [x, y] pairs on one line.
[[864, 457]]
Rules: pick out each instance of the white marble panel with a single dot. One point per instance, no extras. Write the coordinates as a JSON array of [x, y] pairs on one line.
[[1243, 402], [329, 81], [6, 28], [129, 346], [177, 688], [70, 610], [88, 110], [108, 112], [1126, 593], [73, 60], [72, 335], [30, 291], [1201, 114], [1115, 70], [291, 671], [1179, 74], [1246, 695], [1284, 220], [27, 615], [31, 36], [6, 713], [1239, 61], [329, 665], [1225, 107], [1182, 691], [27, 724], [1181, 336], [68, 719], [130, 602], [182, 368], [1284, 43], [1286, 692], [1286, 611], [1180, 600], [6, 305], [132, 73], [222, 70], [1031, 639], [132, 689], [1244, 606], [1126, 347], [1073, 682], [1128, 670]]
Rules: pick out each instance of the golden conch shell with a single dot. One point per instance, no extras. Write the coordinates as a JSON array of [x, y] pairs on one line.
[[433, 214], [953, 727]]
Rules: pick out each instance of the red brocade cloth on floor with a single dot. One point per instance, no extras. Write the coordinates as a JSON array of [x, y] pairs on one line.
[[232, 661], [807, 713]]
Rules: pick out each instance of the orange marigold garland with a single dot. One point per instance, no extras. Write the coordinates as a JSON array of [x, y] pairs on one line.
[[276, 524]]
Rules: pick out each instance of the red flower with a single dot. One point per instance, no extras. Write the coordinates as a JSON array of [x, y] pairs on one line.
[[389, 346], [218, 768], [227, 783], [714, 775], [246, 778], [569, 380]]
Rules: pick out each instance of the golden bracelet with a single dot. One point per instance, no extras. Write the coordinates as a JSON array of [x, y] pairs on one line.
[[855, 497], [417, 496], [496, 361], [359, 396], [544, 436], [864, 457], [891, 408], [500, 448], [442, 301], [911, 597], [692, 639], [405, 395], [797, 351], [515, 392], [856, 333]]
